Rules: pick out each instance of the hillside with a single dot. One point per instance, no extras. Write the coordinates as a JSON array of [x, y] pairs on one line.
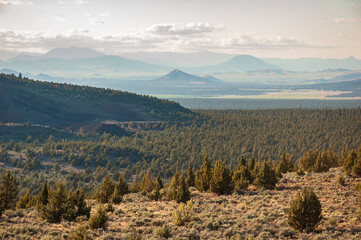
[[54, 104], [258, 214], [177, 78]]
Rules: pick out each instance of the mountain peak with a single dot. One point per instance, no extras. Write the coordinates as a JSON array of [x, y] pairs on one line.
[[180, 77]]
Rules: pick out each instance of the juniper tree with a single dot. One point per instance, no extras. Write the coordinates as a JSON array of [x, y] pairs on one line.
[[8, 191], [241, 177], [203, 175], [120, 190], [106, 190], [178, 189], [43, 195], [266, 177], [305, 211], [57, 204], [147, 183], [26, 201], [190, 176], [76, 206], [221, 181], [159, 182]]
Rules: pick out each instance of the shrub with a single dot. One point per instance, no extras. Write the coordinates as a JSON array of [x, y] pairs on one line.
[[305, 211], [99, 219], [183, 214], [80, 233], [221, 181], [341, 180], [164, 232]]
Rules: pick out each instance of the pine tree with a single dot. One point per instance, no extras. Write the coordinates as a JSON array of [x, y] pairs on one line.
[[159, 182], [349, 162], [106, 190], [305, 211], [241, 177], [76, 206], [266, 177], [120, 190], [203, 175], [282, 166], [178, 189], [190, 176], [221, 181], [147, 183], [57, 204], [8, 191], [26, 201], [44, 195]]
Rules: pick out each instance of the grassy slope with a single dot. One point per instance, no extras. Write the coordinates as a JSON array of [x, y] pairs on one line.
[[257, 213], [63, 104]]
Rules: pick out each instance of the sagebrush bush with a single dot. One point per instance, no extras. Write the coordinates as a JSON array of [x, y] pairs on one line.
[[183, 214], [80, 233], [305, 211]]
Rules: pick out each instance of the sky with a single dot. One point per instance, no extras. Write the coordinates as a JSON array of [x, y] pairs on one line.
[[262, 28]]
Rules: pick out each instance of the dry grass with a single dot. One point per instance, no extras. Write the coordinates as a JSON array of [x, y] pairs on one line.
[[261, 214]]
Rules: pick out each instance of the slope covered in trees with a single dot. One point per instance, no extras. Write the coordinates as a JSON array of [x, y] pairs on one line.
[[54, 104]]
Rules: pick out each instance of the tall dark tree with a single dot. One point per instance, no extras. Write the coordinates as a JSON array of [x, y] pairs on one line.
[[44, 195], [8, 191], [178, 189], [203, 175], [190, 176], [221, 181], [106, 190]]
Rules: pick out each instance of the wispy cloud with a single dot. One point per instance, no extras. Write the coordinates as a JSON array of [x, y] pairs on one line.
[[15, 2], [347, 20], [183, 29], [182, 38]]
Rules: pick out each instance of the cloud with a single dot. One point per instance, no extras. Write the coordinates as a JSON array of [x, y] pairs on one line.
[[94, 21], [145, 40], [15, 2], [183, 29], [347, 20], [59, 19], [355, 4], [80, 2]]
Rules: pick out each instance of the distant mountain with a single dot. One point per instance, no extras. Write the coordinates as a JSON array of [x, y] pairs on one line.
[[63, 53], [315, 64], [174, 59], [62, 105], [177, 77], [87, 67], [240, 63]]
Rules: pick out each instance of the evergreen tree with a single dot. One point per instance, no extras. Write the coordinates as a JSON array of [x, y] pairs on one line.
[[178, 189], [159, 182], [120, 190], [190, 176], [106, 190], [203, 175], [44, 195], [241, 177], [221, 181], [26, 201], [349, 162], [266, 177], [57, 204], [305, 211], [147, 183], [282, 166], [8, 191], [76, 206]]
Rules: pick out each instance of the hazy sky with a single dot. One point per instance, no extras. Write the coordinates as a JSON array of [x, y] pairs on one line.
[[263, 28]]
